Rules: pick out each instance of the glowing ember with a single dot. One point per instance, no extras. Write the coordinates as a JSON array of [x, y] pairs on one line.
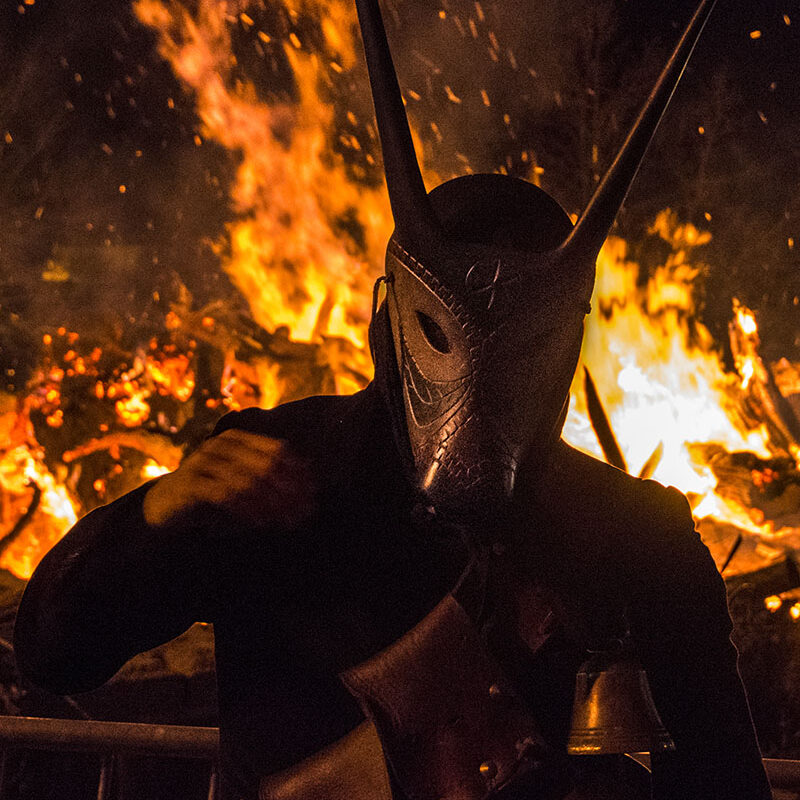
[[772, 603], [133, 410], [173, 376]]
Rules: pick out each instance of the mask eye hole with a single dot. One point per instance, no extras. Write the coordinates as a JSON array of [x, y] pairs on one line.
[[433, 333]]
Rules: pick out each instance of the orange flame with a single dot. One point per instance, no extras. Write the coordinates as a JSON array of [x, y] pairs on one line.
[[21, 468], [287, 254]]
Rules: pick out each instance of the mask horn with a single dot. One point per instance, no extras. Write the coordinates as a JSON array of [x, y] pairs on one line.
[[411, 208], [588, 235]]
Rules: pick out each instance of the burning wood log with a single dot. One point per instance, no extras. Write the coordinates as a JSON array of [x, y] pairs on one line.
[[759, 381], [768, 490], [153, 445], [774, 579]]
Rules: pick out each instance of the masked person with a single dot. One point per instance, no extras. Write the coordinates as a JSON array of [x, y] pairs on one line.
[[404, 582]]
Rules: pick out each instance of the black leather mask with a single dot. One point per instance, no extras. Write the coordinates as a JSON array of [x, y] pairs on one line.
[[487, 287]]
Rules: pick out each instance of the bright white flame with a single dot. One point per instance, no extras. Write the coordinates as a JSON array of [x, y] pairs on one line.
[[152, 469], [746, 320], [658, 390]]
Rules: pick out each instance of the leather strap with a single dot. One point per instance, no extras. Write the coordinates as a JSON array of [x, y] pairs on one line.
[[443, 719], [450, 725]]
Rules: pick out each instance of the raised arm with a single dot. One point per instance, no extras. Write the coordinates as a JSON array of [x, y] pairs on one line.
[[138, 572]]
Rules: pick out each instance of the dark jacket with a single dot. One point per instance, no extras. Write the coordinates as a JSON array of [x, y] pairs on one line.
[[293, 608]]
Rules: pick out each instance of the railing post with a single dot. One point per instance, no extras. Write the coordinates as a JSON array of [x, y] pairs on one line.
[[213, 782], [3, 765], [105, 785]]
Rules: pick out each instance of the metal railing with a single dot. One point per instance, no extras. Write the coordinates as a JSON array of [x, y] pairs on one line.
[[111, 740], [783, 773]]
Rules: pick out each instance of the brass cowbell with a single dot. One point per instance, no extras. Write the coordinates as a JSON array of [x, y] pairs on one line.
[[614, 710]]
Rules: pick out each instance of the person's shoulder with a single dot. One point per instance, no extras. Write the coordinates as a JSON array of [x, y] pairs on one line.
[[642, 526], [585, 487]]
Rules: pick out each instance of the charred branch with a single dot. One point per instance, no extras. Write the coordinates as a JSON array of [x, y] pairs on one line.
[[732, 552], [601, 425], [20, 524], [653, 460], [153, 445]]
